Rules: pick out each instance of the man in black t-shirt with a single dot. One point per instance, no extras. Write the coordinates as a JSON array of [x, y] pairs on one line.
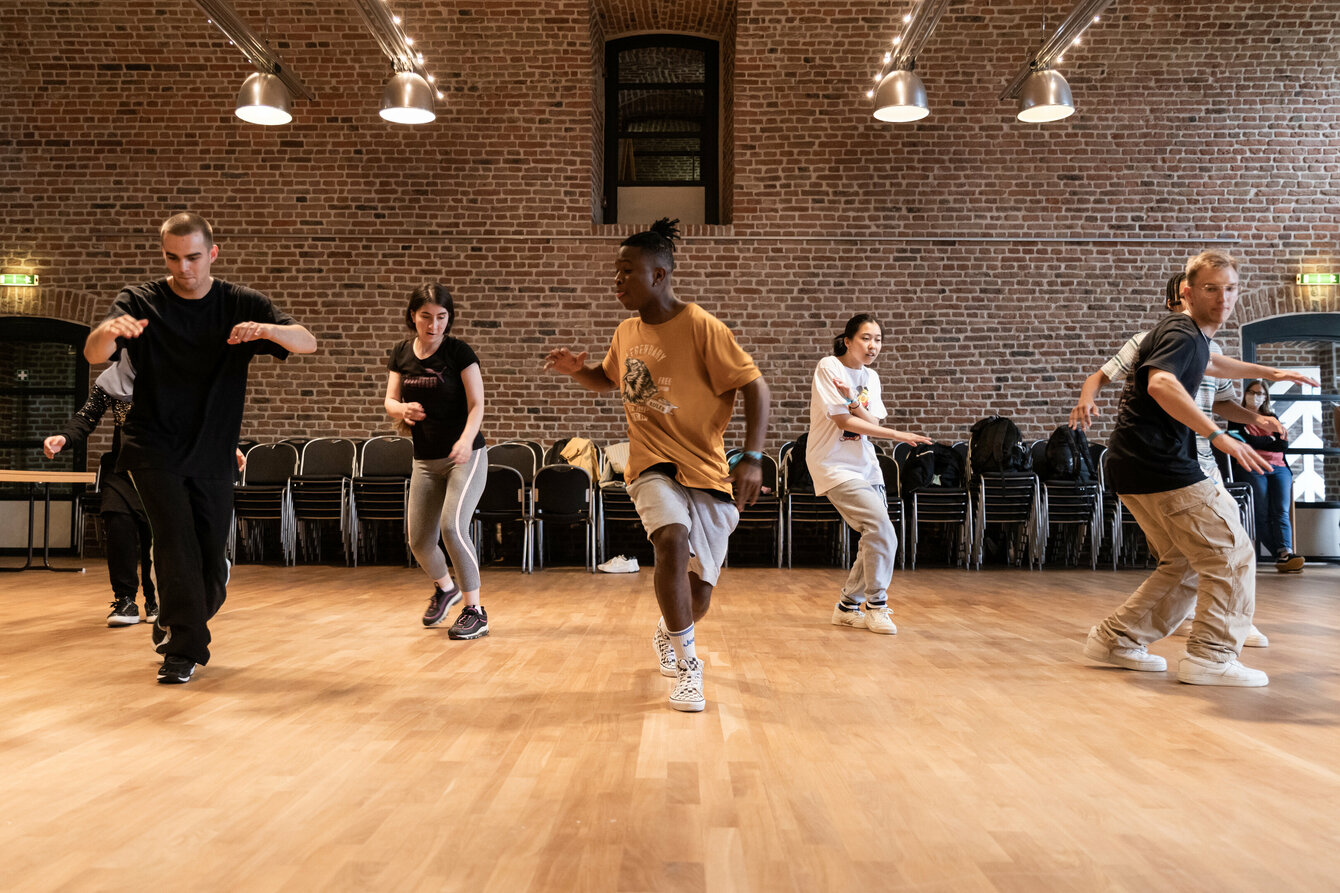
[[1190, 521], [191, 337]]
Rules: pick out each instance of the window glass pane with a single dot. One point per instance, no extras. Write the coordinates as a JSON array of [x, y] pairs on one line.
[[37, 364], [662, 65], [659, 161], [637, 108]]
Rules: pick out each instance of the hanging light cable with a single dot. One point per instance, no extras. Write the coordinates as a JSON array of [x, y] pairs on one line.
[[409, 94], [899, 94], [1043, 93], [266, 96]]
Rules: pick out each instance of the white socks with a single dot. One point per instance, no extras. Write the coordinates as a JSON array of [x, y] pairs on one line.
[[682, 642]]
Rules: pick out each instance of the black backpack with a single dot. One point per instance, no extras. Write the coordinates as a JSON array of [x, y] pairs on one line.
[[798, 472], [932, 464], [994, 445], [1069, 457], [554, 455]]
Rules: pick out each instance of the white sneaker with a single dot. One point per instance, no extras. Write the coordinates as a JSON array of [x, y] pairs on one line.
[[619, 565], [855, 618], [665, 652], [1199, 671], [1255, 638], [1121, 656], [878, 620], [688, 693]]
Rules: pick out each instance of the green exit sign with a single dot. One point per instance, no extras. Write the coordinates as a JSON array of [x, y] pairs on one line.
[[1319, 278], [19, 279]]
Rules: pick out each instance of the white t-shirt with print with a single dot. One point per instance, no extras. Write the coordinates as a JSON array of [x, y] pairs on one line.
[[833, 455]]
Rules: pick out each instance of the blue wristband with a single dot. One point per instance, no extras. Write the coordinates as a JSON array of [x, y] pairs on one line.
[[753, 454]]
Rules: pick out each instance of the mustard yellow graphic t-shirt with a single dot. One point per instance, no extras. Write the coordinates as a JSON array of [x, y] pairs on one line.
[[678, 380]]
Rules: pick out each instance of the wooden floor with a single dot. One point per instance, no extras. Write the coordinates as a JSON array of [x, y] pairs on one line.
[[334, 744]]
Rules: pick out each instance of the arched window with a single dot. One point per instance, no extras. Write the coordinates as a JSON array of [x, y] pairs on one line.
[[662, 102]]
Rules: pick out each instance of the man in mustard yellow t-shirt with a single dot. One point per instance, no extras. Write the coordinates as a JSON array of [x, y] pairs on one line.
[[678, 368]]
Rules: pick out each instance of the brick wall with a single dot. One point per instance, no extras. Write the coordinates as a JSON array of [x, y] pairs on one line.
[[1006, 260]]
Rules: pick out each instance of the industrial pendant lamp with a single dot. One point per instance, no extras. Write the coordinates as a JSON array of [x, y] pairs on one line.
[[901, 96], [410, 93], [267, 94], [407, 99], [264, 100], [1042, 91], [1044, 97]]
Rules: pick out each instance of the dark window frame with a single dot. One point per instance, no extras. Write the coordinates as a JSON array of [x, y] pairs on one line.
[[39, 329], [709, 149]]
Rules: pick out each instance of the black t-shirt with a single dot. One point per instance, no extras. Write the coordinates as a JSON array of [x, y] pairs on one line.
[[435, 383], [191, 383], [1151, 452]]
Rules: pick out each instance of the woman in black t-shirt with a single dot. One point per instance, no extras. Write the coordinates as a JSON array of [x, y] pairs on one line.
[[435, 388]]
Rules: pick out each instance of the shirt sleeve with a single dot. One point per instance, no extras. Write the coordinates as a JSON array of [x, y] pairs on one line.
[[610, 364], [1120, 366], [124, 305], [82, 423], [824, 389], [1174, 352], [262, 309], [463, 355], [728, 365], [875, 401]]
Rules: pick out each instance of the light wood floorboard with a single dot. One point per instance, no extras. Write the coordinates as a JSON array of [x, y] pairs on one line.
[[335, 744]]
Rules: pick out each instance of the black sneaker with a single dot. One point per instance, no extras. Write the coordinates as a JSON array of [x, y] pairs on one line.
[[1289, 563], [472, 624], [176, 670], [124, 612], [440, 604], [150, 609], [159, 634]]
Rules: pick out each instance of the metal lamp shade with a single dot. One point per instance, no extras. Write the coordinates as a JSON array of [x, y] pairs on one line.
[[408, 99], [263, 100], [1045, 96], [901, 96]]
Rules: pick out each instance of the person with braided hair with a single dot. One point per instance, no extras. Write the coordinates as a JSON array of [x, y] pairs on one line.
[[678, 368]]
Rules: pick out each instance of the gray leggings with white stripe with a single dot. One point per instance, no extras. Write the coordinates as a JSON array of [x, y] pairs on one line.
[[442, 498]]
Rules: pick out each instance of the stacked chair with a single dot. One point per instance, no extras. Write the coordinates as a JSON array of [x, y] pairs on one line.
[[800, 505], [950, 507], [614, 505], [1075, 508], [322, 493], [264, 497], [893, 492], [562, 494], [381, 492], [766, 513], [506, 499]]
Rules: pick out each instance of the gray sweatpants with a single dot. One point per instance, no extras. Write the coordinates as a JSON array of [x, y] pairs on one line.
[[865, 508], [442, 498]]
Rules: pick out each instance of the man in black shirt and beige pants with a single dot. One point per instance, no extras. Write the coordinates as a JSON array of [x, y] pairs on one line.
[[1191, 523], [191, 338]]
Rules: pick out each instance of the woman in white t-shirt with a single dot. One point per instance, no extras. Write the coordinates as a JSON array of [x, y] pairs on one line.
[[845, 412]]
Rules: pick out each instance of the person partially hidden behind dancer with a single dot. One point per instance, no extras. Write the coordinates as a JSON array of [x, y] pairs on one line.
[[679, 367], [845, 412], [1273, 490], [434, 386], [191, 338], [1191, 523], [127, 529]]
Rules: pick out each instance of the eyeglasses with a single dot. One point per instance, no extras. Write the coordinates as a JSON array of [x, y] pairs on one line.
[[1215, 290]]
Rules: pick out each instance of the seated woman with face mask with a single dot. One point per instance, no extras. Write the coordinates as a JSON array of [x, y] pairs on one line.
[[1273, 490]]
